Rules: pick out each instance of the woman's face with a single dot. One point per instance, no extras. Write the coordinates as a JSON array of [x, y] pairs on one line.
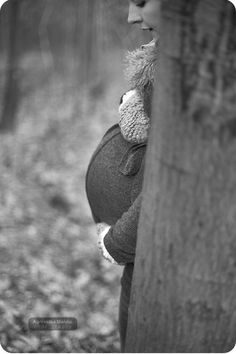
[[145, 12]]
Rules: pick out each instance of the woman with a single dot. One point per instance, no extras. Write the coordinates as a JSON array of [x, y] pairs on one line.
[[115, 173]]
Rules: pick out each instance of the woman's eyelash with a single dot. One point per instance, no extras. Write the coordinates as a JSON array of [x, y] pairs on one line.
[[141, 4]]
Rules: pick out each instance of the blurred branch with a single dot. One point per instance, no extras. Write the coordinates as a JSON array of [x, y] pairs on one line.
[[44, 41]]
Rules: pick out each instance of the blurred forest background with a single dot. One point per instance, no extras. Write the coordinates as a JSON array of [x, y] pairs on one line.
[[60, 84]]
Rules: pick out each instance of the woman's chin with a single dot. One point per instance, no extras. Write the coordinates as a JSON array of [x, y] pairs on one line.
[[152, 43]]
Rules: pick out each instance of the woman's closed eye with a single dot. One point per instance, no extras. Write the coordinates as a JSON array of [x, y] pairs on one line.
[[139, 3]]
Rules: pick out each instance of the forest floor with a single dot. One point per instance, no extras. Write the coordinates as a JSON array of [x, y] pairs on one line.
[[49, 262]]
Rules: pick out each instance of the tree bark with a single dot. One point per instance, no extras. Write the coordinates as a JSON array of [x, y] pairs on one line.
[[184, 285], [11, 94]]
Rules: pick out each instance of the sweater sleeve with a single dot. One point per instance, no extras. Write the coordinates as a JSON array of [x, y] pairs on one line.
[[120, 240]]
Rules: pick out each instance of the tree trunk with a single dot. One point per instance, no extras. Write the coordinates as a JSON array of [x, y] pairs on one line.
[[87, 18], [10, 100], [184, 287]]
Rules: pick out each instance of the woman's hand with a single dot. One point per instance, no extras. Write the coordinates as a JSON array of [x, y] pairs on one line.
[[102, 230]]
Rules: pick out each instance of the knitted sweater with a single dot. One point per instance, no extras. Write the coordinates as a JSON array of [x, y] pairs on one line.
[[113, 186]]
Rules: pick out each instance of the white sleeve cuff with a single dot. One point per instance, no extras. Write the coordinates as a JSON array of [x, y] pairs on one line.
[[102, 247]]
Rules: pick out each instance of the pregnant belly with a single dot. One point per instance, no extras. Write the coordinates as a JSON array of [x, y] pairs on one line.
[[108, 190]]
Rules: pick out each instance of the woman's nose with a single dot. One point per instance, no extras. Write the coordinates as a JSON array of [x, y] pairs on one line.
[[134, 15]]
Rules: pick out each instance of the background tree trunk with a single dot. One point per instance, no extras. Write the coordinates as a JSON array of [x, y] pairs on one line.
[[183, 293], [10, 101], [88, 38]]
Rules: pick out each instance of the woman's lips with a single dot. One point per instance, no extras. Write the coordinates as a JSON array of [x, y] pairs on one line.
[[152, 31], [154, 36]]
